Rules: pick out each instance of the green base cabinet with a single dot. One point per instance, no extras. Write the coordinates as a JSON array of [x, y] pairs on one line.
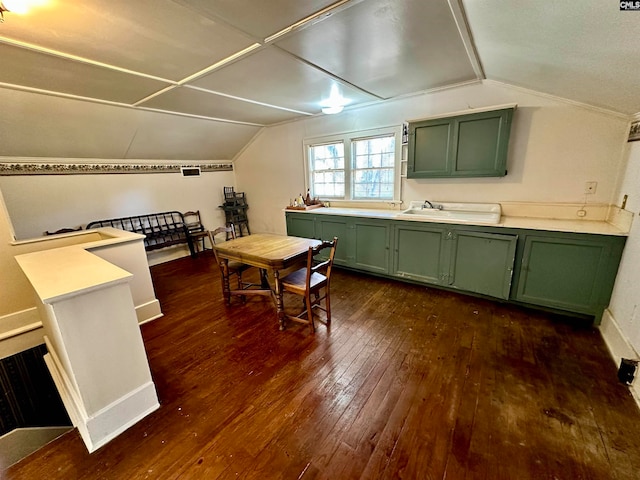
[[482, 262], [363, 243], [565, 272], [326, 228], [574, 273], [370, 245], [419, 252], [301, 225], [472, 261]]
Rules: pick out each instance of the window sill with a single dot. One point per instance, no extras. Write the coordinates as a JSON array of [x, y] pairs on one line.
[[377, 204]]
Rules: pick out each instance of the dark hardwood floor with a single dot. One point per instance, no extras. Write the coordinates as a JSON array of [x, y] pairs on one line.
[[409, 382]]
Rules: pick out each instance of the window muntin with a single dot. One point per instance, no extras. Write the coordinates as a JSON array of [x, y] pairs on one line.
[[373, 168], [327, 169], [358, 166]]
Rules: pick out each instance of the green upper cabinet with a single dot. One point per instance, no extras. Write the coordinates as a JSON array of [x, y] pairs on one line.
[[471, 145]]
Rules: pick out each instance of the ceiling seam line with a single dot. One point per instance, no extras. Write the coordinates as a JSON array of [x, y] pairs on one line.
[[242, 99], [77, 59], [112, 103], [328, 73]]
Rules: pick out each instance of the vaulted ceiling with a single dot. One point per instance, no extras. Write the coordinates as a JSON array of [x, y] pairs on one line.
[[244, 64]]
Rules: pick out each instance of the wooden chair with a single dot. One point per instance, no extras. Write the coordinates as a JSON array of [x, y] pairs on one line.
[[234, 268], [310, 281], [196, 230]]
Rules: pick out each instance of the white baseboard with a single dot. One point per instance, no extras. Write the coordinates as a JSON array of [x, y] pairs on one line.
[[103, 426], [20, 331], [148, 311], [619, 347]]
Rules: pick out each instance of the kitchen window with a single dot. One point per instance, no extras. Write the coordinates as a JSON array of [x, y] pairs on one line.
[[355, 166]]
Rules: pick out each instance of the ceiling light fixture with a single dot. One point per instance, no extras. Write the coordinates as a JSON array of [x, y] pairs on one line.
[[18, 6], [332, 110], [335, 103]]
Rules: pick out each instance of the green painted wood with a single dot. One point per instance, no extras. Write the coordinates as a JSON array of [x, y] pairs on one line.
[[430, 148], [301, 225], [482, 262], [482, 143], [329, 227], [567, 272], [473, 145], [418, 252], [564, 273], [371, 245]]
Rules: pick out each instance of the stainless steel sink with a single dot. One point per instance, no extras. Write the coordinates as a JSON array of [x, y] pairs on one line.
[[453, 212]]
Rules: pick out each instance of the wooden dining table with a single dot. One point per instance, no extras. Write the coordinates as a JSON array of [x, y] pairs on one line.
[[269, 252]]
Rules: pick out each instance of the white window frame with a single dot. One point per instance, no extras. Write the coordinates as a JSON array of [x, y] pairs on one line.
[[347, 139]]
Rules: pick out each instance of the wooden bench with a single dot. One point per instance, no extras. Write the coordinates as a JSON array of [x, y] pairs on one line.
[[161, 230]]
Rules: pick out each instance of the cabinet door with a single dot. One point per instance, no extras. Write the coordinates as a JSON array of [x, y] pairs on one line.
[[370, 245], [300, 225], [329, 227], [482, 262], [481, 145], [472, 145], [430, 149], [418, 252], [563, 273]]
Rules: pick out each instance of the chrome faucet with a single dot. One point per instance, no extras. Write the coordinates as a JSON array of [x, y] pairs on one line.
[[431, 205]]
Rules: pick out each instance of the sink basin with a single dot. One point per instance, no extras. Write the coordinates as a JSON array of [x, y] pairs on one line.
[[454, 212]]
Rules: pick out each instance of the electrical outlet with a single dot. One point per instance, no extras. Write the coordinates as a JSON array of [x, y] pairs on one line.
[[590, 187]]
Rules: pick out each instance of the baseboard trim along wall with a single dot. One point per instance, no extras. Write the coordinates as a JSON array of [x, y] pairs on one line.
[[97, 429], [148, 311], [20, 331], [619, 348]]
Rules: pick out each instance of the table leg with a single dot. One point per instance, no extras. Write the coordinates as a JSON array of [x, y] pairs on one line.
[[279, 300], [226, 288], [264, 279]]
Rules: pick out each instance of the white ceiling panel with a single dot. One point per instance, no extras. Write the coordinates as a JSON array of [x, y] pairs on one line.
[[162, 136], [275, 77], [586, 51], [259, 18], [388, 47], [129, 51], [37, 70], [34, 125], [196, 102], [155, 37]]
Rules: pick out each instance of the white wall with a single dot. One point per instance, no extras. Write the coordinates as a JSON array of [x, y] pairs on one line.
[[625, 301], [37, 203], [556, 146]]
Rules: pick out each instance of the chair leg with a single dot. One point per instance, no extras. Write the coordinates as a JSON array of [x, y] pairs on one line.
[[309, 312], [327, 304]]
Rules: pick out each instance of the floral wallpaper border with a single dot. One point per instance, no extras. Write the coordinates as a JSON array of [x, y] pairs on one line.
[[102, 168]]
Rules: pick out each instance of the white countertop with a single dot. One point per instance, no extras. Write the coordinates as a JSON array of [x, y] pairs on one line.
[[66, 271], [598, 227]]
